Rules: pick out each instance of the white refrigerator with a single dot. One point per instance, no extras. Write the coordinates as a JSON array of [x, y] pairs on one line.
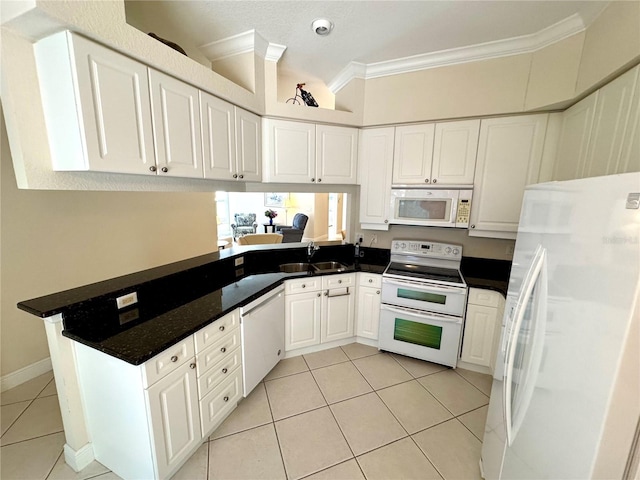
[[565, 400]]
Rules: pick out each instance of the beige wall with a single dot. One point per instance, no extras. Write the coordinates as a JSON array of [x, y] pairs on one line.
[[287, 89], [240, 69], [55, 240]]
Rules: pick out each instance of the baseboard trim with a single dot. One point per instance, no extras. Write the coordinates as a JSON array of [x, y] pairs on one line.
[[80, 459], [25, 374]]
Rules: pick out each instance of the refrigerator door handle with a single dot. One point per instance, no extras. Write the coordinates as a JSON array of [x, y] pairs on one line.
[[537, 275]]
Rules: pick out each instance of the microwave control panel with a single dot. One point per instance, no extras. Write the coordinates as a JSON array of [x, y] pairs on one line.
[[464, 210]]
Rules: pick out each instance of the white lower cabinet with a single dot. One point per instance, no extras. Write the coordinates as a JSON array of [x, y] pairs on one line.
[[368, 305], [324, 312], [482, 327], [145, 421]]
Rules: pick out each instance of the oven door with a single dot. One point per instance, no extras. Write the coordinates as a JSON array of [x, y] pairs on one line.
[[423, 335], [424, 296], [424, 207]]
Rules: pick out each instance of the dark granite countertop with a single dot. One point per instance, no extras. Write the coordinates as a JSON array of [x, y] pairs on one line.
[[176, 300], [486, 273]]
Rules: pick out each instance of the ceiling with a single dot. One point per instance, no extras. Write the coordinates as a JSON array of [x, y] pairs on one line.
[[365, 31]]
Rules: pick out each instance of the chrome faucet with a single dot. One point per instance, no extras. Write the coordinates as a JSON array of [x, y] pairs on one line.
[[311, 250]]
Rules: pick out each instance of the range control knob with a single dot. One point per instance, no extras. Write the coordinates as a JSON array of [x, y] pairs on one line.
[[456, 251], [403, 245], [448, 250]]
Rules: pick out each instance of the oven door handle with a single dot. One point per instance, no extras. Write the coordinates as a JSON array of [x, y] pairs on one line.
[[420, 314], [429, 287]]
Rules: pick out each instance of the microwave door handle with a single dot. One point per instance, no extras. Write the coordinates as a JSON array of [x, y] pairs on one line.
[[429, 316]]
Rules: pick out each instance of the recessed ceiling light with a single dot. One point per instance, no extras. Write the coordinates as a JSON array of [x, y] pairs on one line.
[[322, 27]]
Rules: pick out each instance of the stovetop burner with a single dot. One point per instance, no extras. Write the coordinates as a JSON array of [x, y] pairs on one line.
[[423, 272]]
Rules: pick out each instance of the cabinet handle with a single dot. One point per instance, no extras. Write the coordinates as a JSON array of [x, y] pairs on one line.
[[153, 168], [378, 292], [313, 179], [235, 175], [241, 176], [304, 286], [164, 169], [426, 180], [174, 359], [223, 349], [435, 180], [371, 280], [326, 294], [221, 328], [318, 295], [224, 370], [226, 399], [473, 226], [339, 281], [386, 221], [192, 366], [319, 180]]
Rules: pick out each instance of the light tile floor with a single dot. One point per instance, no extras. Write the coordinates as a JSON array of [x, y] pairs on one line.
[[345, 413]]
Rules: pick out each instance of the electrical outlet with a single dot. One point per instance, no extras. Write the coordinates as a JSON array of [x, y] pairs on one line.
[[239, 261], [359, 238], [374, 239], [127, 300]]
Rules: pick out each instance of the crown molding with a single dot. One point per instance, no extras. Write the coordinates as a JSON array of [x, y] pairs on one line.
[[484, 51], [246, 42]]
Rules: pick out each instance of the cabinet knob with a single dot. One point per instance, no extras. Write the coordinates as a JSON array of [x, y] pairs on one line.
[[164, 169], [313, 179], [304, 286], [224, 370], [153, 168], [318, 295], [378, 292], [435, 180], [192, 366], [426, 180], [221, 328], [371, 280], [319, 180], [223, 349], [174, 359], [386, 221], [226, 399], [473, 226], [279, 352], [326, 294], [235, 175], [339, 281], [241, 176]]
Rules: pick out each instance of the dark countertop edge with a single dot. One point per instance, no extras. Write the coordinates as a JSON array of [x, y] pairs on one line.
[[123, 284], [496, 285]]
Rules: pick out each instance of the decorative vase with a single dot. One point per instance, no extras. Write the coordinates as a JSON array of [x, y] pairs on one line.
[[270, 221]]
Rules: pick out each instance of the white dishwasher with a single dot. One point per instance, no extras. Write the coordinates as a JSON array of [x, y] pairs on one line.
[[262, 327]]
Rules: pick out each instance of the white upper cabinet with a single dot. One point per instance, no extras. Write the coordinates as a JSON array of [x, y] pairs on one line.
[[97, 106], [375, 160], [176, 125], [436, 154], [297, 152], [413, 154], [231, 141], [611, 122], [336, 154], [248, 146], [454, 152], [509, 156]]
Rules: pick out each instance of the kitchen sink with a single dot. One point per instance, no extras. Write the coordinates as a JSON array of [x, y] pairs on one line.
[[329, 266], [295, 267]]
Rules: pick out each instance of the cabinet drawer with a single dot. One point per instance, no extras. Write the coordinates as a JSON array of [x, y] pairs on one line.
[[218, 372], [167, 361], [218, 351], [338, 281], [302, 285], [218, 329], [370, 280], [487, 298], [215, 406]]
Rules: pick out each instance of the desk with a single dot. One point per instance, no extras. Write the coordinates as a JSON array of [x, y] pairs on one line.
[[269, 226]]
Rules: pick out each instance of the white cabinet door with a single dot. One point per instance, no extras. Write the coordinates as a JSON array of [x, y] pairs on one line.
[[375, 164], [338, 308], [219, 137], [174, 417], [413, 154], [574, 139], [509, 156], [97, 106], [479, 331], [610, 122], [454, 152], [336, 154], [368, 312], [177, 126], [248, 145], [302, 320], [290, 151]]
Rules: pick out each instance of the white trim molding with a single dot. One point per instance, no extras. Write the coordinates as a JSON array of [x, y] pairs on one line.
[[25, 374], [80, 459], [484, 51], [246, 42]]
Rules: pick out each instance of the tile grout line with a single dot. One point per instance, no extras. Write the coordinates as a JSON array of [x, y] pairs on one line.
[[275, 431], [54, 464], [470, 383], [31, 401]]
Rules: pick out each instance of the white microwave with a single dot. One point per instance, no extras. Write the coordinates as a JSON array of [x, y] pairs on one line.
[[430, 207]]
